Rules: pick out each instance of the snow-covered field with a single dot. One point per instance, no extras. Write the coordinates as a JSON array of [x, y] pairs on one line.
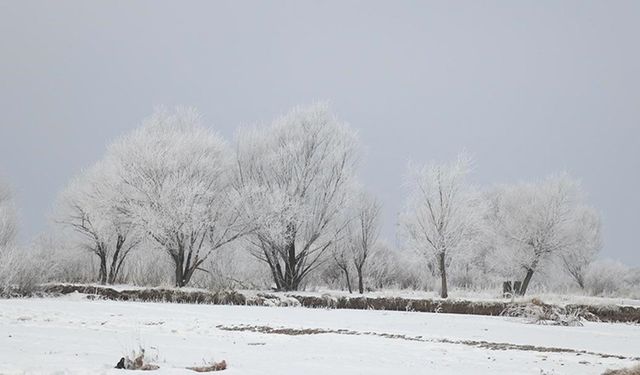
[[73, 335]]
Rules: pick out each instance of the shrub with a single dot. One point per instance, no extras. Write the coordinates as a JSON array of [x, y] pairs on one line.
[[606, 278], [21, 270]]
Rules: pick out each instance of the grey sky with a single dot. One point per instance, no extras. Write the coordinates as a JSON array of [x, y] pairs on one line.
[[528, 88]]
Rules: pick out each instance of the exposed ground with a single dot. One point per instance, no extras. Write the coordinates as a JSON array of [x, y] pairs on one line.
[[76, 335], [606, 310]]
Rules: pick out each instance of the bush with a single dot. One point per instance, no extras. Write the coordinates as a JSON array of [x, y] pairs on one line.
[[148, 266], [537, 312], [232, 267], [22, 270], [607, 278], [635, 370]]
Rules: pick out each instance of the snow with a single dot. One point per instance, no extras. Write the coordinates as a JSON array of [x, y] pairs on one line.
[[74, 335]]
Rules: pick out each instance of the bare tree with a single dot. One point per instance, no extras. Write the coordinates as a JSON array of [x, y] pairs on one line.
[[352, 250], [535, 222], [442, 215], [89, 207], [363, 233], [342, 260], [299, 171], [176, 178]]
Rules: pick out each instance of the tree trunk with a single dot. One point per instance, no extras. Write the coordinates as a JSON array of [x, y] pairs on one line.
[[102, 275], [360, 281], [113, 274], [290, 284], [279, 258], [113, 269], [507, 290], [525, 282], [277, 276], [346, 275], [179, 263], [189, 270], [179, 278], [443, 276], [291, 279], [274, 270], [290, 267]]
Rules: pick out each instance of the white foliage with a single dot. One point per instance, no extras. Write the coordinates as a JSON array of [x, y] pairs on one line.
[[392, 268], [443, 213], [299, 171], [90, 206], [534, 223], [22, 269], [577, 257], [177, 188], [359, 237], [606, 277]]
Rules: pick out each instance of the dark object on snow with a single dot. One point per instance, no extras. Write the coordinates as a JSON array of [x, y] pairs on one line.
[[216, 366], [625, 371], [121, 363], [137, 364], [507, 290]]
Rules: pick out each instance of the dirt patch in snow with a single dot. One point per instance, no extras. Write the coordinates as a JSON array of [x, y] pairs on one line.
[[478, 344]]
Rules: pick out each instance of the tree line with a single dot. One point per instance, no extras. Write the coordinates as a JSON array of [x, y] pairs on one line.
[[288, 193]]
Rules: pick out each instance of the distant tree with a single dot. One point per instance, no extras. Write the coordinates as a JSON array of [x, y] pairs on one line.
[[607, 278], [8, 222], [177, 188], [89, 206], [362, 233], [442, 215], [577, 257], [384, 268], [354, 248], [299, 170], [22, 268], [342, 260], [535, 222]]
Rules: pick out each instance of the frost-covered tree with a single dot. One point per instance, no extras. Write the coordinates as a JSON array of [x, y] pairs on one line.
[[8, 222], [362, 233], [442, 215], [384, 268], [577, 257], [21, 267], [177, 188], [340, 253], [299, 170], [352, 251], [90, 207], [536, 222], [607, 278]]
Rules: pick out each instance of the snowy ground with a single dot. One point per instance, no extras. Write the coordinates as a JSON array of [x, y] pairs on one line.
[[73, 335]]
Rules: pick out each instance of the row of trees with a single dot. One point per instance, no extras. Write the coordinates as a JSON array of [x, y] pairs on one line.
[[284, 190], [287, 195], [519, 228]]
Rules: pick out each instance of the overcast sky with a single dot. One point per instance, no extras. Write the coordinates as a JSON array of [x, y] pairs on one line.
[[528, 88]]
